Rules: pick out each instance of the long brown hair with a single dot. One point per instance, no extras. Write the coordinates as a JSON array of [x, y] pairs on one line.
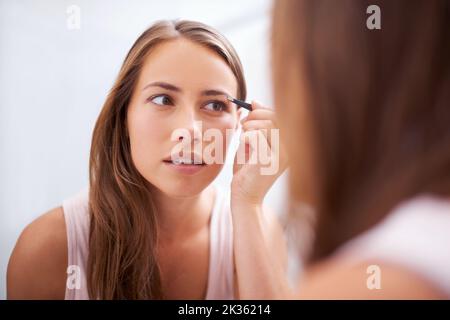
[[378, 104], [122, 262]]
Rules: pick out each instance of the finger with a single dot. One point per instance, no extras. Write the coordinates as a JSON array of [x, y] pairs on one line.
[[257, 124], [242, 153], [265, 125], [263, 133], [256, 105], [243, 120], [261, 114]]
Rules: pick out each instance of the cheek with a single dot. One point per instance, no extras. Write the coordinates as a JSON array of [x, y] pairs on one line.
[[146, 136]]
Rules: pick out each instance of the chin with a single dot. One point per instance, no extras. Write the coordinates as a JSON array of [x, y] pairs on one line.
[[181, 189], [176, 184], [185, 186]]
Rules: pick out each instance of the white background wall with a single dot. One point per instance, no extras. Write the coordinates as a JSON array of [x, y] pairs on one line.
[[53, 82]]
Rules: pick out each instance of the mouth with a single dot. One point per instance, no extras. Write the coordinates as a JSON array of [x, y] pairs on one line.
[[193, 160], [184, 162], [185, 166]]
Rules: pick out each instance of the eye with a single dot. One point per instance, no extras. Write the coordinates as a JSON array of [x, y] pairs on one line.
[[162, 100], [216, 106]]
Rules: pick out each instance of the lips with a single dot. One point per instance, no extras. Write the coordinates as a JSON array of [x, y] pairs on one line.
[[185, 166], [180, 161]]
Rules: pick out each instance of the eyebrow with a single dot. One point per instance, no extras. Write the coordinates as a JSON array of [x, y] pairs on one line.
[[171, 87]]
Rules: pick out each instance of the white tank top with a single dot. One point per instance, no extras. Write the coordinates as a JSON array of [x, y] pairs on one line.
[[415, 236], [221, 265]]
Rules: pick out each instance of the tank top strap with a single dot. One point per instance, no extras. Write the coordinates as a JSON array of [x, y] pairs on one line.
[[221, 266], [76, 215]]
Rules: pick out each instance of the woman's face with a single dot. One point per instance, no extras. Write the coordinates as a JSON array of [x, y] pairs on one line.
[[176, 101]]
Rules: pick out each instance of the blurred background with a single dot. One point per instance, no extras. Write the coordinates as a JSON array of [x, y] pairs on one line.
[[54, 78]]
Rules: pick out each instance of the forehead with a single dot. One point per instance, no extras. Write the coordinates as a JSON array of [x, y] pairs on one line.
[[188, 65]]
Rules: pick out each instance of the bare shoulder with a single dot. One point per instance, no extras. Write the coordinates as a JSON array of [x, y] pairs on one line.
[[37, 266], [371, 280]]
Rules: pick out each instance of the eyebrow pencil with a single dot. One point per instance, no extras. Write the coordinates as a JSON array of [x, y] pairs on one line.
[[240, 103]]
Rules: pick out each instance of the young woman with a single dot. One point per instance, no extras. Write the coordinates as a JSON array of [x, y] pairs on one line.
[[367, 114], [150, 227]]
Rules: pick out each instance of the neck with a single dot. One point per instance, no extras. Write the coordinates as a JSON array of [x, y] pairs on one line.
[[180, 217]]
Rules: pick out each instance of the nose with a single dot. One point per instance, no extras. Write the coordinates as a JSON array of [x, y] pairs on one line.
[[188, 127]]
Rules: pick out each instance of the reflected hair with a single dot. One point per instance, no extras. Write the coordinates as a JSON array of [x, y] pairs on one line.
[[376, 104]]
